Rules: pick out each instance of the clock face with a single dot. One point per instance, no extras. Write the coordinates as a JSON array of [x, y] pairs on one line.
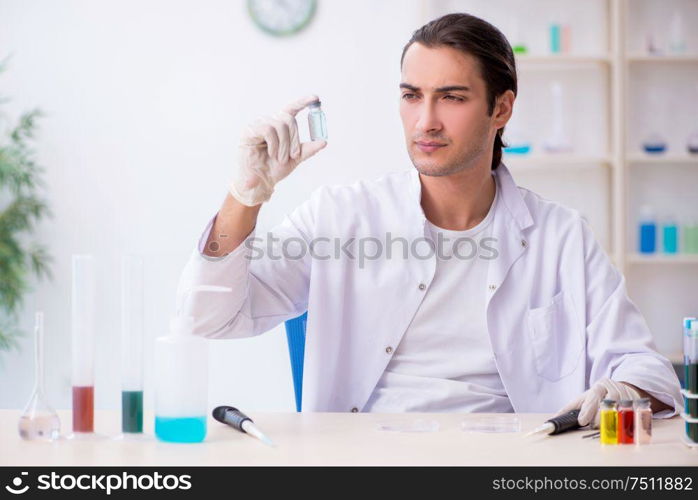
[[281, 17]]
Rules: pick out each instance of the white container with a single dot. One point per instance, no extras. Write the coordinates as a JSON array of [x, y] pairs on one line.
[[181, 379]]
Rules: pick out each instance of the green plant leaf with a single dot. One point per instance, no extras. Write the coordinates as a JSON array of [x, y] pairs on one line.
[[20, 256]]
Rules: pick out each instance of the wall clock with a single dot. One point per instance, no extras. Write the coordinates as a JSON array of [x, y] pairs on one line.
[[281, 17]]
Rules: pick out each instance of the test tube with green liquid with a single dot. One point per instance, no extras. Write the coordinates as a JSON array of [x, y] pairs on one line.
[[131, 345]]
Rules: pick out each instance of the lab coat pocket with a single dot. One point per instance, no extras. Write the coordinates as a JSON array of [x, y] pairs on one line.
[[555, 337]]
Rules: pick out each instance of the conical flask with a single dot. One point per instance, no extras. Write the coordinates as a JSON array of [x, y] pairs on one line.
[[39, 421]]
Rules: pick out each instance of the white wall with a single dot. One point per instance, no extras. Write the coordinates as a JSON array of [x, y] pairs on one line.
[[145, 104]]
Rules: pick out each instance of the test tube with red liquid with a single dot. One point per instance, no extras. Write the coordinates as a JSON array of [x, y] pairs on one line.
[[82, 336]]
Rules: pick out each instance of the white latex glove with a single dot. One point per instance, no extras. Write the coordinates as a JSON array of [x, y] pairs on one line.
[[590, 401], [269, 150]]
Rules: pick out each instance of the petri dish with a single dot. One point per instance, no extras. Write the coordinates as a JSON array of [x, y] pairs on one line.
[[503, 423], [411, 425]]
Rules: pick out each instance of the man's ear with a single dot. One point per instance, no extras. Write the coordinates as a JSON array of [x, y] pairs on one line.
[[504, 106]]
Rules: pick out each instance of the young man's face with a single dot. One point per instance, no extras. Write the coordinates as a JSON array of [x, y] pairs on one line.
[[443, 106]]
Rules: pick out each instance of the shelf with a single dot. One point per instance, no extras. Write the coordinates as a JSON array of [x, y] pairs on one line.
[[641, 58], [663, 158], [525, 59], [550, 161], [636, 258]]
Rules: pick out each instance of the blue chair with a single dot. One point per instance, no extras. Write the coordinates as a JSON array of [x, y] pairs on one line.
[[295, 334]]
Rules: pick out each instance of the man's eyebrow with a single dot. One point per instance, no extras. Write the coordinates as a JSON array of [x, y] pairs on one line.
[[449, 88]]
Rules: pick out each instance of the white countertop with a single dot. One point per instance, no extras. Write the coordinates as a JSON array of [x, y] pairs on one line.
[[343, 439]]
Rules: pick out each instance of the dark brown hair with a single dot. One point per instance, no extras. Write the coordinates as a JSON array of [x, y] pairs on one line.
[[487, 44]]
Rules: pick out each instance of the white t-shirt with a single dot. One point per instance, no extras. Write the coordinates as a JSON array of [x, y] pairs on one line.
[[445, 362]]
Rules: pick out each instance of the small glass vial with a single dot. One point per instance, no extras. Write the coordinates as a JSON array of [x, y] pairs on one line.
[[647, 231], [609, 422], [317, 122], [626, 422], [643, 421], [670, 235]]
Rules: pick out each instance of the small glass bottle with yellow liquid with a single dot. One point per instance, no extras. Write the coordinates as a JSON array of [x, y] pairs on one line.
[[609, 422]]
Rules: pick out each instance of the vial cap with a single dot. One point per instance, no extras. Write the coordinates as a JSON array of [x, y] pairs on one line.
[[609, 402], [642, 402], [315, 104], [626, 402]]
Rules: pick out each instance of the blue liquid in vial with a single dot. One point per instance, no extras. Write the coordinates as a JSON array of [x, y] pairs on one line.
[[180, 429], [670, 238], [648, 236]]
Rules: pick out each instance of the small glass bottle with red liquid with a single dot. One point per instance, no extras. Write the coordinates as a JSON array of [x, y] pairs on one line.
[[626, 422]]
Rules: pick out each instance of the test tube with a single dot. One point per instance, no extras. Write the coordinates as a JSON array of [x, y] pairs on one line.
[[643, 421], [691, 398], [686, 347], [83, 331], [609, 422], [692, 359], [626, 422], [132, 344]]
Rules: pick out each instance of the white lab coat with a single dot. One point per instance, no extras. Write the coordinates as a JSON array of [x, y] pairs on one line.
[[558, 315]]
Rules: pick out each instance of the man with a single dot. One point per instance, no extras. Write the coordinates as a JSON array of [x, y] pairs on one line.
[[521, 312]]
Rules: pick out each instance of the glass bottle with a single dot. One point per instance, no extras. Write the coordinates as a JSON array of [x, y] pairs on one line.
[[690, 236], [626, 422], [647, 231], [609, 422], [39, 421], [670, 235], [317, 122], [643, 421], [558, 141]]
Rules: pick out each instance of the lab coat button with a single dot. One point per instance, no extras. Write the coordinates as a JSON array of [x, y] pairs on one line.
[[354, 410], [422, 286], [523, 243], [493, 287], [388, 349]]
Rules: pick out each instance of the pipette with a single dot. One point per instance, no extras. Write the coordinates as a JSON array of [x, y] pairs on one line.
[[238, 420], [565, 422]]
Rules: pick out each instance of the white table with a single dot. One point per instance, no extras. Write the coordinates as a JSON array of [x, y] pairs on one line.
[[343, 439]]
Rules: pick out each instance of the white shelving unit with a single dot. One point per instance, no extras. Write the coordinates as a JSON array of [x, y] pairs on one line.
[[670, 59], [618, 26], [663, 160], [604, 65], [635, 258]]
